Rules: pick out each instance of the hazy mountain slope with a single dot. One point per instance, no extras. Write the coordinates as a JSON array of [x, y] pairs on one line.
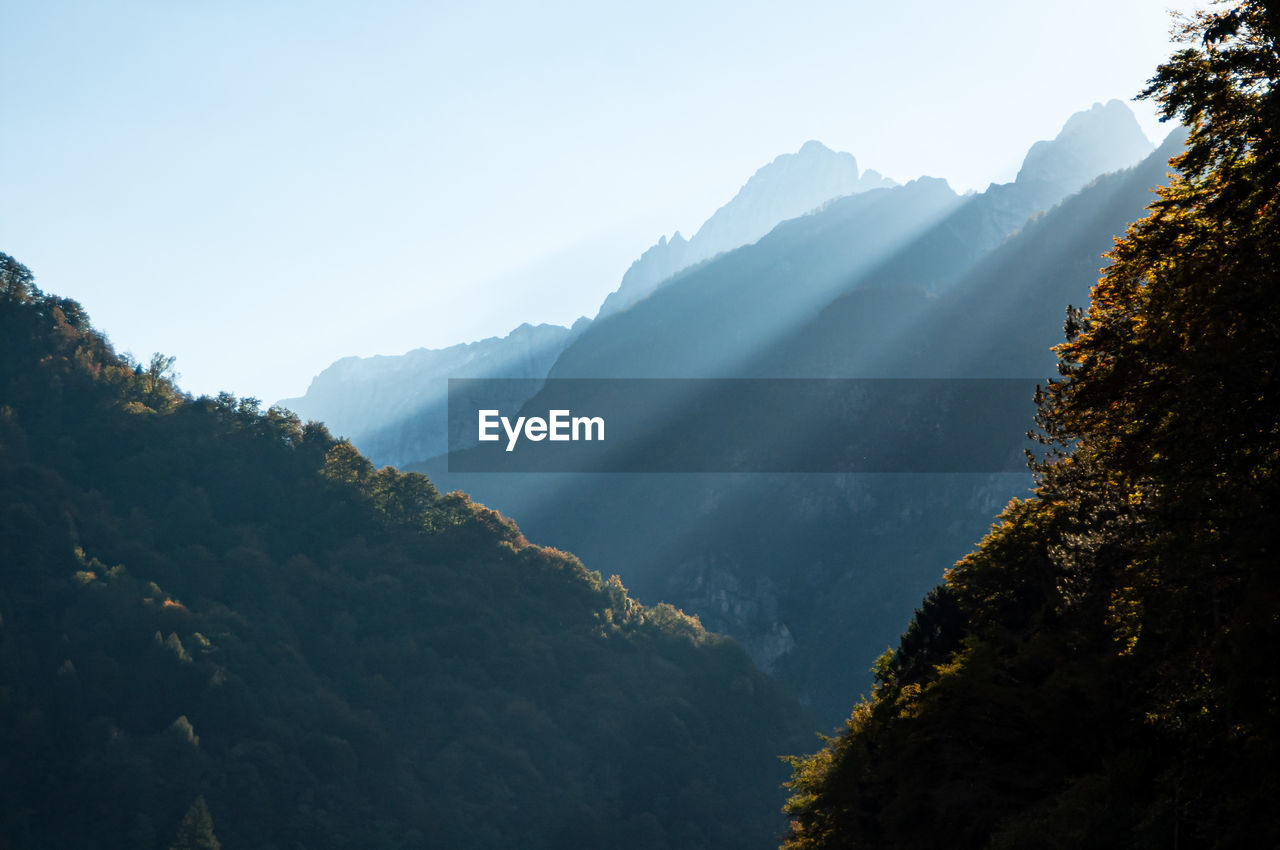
[[198, 599], [713, 319], [708, 319], [1100, 139], [391, 407], [808, 570], [999, 319], [790, 186]]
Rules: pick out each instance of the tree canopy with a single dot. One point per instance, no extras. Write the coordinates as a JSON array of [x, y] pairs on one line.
[[201, 600], [1108, 675]]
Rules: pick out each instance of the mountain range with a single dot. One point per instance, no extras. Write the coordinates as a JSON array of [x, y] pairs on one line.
[[892, 281], [393, 407], [912, 281], [790, 186]]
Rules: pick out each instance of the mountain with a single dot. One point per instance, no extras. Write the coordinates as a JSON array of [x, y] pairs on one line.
[[391, 407], [790, 186], [1000, 319], [1093, 142], [711, 320], [224, 625], [807, 570], [707, 320]]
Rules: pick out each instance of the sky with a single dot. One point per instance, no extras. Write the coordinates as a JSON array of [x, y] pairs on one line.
[[260, 188]]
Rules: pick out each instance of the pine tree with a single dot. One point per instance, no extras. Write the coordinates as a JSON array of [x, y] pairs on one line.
[[196, 830]]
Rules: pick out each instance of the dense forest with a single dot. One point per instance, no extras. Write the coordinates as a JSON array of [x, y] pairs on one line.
[[1101, 671], [219, 624]]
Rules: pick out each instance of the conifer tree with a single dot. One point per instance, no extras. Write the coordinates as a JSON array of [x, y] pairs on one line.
[[196, 830]]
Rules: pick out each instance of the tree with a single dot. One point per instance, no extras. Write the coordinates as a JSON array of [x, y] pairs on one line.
[[1115, 684], [16, 281], [157, 382], [1170, 394], [196, 830]]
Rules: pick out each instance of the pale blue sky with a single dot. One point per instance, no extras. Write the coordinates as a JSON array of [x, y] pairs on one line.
[[262, 187]]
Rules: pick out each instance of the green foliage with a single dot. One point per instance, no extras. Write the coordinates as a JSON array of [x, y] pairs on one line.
[[203, 600], [16, 280], [1108, 678]]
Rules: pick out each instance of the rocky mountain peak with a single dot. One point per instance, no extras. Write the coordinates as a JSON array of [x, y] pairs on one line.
[[791, 185], [1101, 139]]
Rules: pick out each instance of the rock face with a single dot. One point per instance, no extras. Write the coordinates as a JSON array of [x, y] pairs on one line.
[[392, 407], [725, 597], [790, 186]]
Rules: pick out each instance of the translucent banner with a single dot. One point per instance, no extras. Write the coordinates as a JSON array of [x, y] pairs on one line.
[[739, 425]]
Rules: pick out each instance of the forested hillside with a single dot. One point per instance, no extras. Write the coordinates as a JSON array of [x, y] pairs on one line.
[[1100, 672], [219, 621]]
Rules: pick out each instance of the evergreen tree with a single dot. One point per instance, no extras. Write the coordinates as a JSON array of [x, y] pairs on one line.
[[196, 830]]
